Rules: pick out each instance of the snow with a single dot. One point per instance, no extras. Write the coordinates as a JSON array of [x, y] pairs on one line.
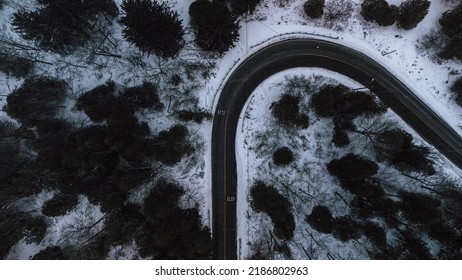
[[306, 182], [271, 22]]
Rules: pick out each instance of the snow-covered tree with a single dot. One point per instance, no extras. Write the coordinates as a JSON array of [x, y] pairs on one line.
[[314, 8], [379, 11], [215, 27], [411, 12], [283, 156], [243, 7], [61, 25], [153, 27], [36, 99]]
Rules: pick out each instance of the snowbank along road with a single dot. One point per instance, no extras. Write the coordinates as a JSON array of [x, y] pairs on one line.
[[305, 53]]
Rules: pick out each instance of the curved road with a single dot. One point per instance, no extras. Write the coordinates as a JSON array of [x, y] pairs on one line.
[[305, 53]]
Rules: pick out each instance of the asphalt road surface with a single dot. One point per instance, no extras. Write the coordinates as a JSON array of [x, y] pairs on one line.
[[305, 53]]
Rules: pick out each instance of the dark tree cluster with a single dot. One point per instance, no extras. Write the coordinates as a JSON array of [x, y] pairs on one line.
[[268, 200], [170, 231], [352, 169], [243, 7], [411, 12], [314, 8], [343, 105], [286, 111], [37, 99], [283, 156], [343, 228], [61, 25], [16, 225], [196, 116], [152, 27], [15, 66], [451, 26], [456, 88], [215, 27], [396, 147], [379, 11], [59, 205], [335, 100]]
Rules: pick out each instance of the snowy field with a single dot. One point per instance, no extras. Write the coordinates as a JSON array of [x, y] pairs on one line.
[[204, 75]]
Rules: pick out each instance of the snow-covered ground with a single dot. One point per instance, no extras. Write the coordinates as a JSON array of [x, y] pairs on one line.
[[274, 20], [306, 182]]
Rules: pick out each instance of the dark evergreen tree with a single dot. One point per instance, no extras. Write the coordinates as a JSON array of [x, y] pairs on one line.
[[196, 116], [51, 253], [17, 225], [451, 22], [38, 98], [456, 87], [143, 97], [352, 168], [321, 219], [171, 145], [346, 228], [420, 208], [375, 233], [283, 156], [15, 66], [287, 112], [62, 25], [152, 27], [172, 232], [216, 28], [314, 8], [267, 199], [411, 12], [59, 205], [396, 147], [124, 224], [243, 7], [379, 11], [453, 49]]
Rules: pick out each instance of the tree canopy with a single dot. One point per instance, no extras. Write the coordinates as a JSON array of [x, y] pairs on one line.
[[286, 111], [62, 25], [38, 98], [215, 27], [411, 12], [153, 27], [314, 8], [379, 11], [267, 199]]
